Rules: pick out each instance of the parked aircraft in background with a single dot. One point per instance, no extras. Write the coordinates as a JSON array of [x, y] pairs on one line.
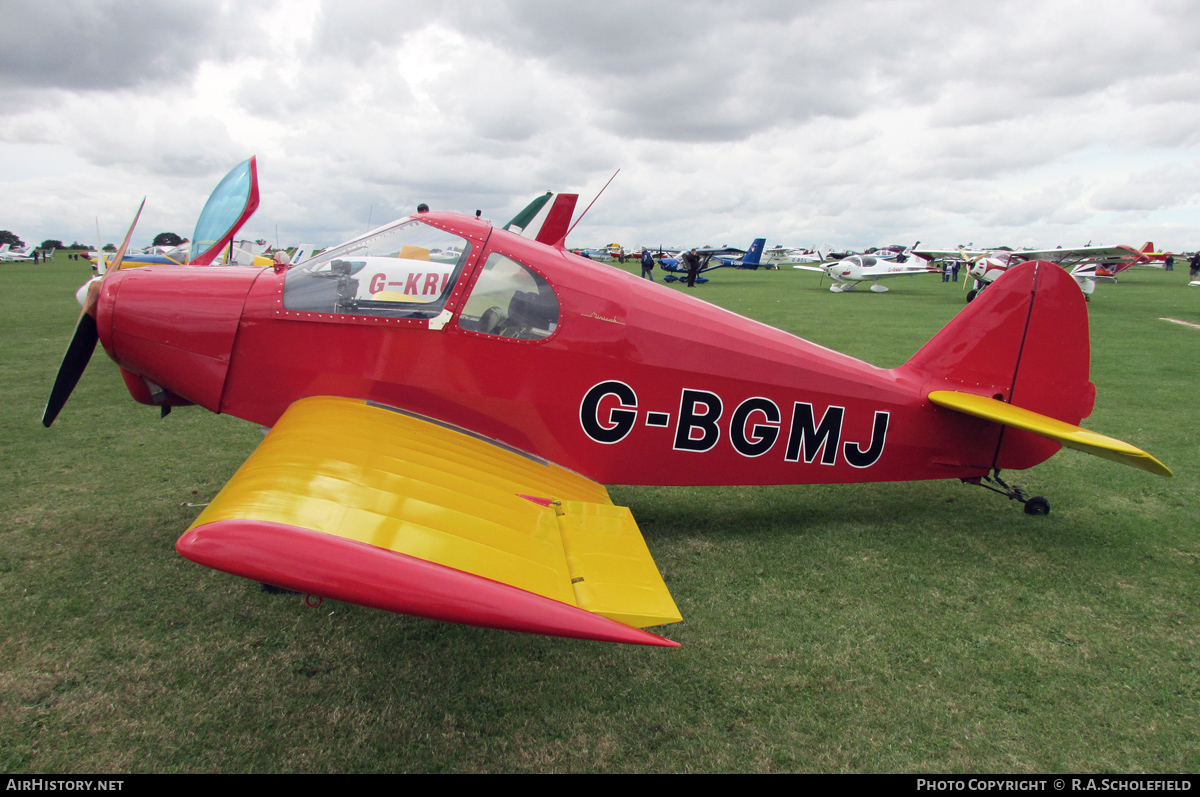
[[10, 255], [1155, 259], [1087, 264], [848, 272], [714, 258], [804, 256], [737, 258], [775, 255]]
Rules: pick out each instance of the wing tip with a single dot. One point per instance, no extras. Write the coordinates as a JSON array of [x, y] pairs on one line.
[[355, 572]]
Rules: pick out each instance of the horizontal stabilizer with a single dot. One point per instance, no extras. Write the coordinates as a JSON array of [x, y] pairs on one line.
[[1069, 435]]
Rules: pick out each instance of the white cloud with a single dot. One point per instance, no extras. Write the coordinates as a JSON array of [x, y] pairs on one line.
[[846, 123]]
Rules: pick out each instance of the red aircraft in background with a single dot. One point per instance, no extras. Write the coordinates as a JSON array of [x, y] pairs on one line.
[[1149, 255], [446, 400]]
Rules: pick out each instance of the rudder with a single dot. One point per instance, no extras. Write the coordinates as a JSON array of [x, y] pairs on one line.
[[1024, 341], [754, 255]]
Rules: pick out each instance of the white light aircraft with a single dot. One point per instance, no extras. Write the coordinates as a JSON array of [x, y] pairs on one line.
[[9, 255], [848, 272]]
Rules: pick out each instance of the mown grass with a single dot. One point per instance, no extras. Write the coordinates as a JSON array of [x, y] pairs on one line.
[[926, 627]]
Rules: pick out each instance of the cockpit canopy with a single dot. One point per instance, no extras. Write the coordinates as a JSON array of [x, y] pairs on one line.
[[230, 205], [406, 269]]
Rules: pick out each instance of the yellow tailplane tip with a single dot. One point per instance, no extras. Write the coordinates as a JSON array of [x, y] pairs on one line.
[[1069, 435]]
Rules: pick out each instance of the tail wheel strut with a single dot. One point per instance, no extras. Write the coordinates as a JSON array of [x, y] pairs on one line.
[[1035, 505]]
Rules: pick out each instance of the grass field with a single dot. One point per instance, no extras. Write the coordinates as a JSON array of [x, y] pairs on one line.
[[924, 627]]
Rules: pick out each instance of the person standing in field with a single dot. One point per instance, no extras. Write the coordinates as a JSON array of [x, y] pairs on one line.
[[692, 261], [647, 265]]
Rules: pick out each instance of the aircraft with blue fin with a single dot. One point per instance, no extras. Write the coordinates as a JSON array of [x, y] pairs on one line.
[[715, 258]]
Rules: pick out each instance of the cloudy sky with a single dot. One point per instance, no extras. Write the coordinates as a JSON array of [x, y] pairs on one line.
[[808, 122]]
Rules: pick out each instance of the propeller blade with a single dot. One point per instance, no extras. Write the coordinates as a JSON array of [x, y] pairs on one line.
[[115, 264], [83, 344]]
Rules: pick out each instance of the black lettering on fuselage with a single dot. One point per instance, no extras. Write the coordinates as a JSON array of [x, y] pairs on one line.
[[809, 437], [755, 426], [689, 421], [758, 439], [865, 459], [620, 419]]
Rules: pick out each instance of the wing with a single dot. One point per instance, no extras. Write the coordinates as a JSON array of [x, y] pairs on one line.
[[1103, 254], [724, 251], [942, 254], [362, 503]]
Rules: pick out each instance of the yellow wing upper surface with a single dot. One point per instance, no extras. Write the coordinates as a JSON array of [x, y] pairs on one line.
[[403, 483]]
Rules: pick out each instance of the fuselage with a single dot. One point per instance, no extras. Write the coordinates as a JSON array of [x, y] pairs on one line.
[[861, 268], [635, 384]]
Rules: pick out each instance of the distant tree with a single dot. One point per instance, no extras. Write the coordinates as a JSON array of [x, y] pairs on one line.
[[167, 239], [110, 247], [51, 243], [11, 239]]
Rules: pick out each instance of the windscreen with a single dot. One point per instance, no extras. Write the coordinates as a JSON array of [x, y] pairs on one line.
[[403, 270]]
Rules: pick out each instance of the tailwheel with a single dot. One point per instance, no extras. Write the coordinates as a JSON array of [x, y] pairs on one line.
[[1036, 505]]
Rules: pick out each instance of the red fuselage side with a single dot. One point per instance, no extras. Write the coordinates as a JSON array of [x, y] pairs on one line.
[[638, 384]]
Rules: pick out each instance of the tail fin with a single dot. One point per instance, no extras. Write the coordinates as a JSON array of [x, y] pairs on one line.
[[521, 221], [545, 219], [303, 252], [754, 255], [1023, 341], [558, 221], [1147, 247]]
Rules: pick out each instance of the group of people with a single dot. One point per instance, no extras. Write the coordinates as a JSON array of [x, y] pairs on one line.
[[690, 261]]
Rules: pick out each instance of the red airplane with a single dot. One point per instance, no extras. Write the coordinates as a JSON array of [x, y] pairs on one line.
[[439, 442], [1150, 255]]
